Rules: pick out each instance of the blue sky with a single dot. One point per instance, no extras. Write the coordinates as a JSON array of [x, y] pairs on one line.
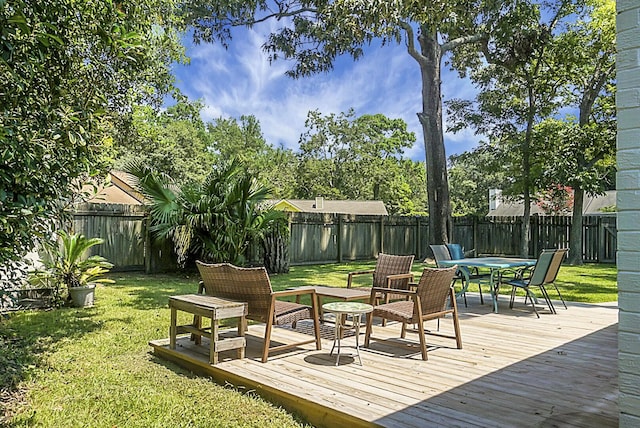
[[240, 81]]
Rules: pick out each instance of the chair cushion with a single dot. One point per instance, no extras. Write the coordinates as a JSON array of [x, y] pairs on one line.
[[401, 311], [456, 251], [289, 312]]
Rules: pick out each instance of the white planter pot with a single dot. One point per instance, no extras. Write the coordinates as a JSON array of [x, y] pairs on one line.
[[82, 297]]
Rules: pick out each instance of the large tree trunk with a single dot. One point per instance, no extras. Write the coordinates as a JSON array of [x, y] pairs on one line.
[[525, 231], [575, 234], [436, 160]]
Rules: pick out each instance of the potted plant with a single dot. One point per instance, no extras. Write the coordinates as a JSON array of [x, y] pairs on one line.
[[79, 274]]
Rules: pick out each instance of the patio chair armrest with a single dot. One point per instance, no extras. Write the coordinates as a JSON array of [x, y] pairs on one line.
[[385, 290], [294, 292], [358, 272], [390, 278], [201, 287], [515, 273]]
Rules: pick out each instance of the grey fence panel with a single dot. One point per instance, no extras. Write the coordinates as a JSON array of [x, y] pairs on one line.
[[330, 238], [121, 226], [314, 238], [464, 232], [498, 236], [400, 236], [359, 237]]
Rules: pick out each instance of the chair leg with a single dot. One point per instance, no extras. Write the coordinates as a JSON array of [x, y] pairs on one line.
[[456, 323], [533, 301], [315, 303], [513, 297], [423, 340], [403, 332], [547, 299], [480, 291], [267, 339], [559, 295], [367, 334]]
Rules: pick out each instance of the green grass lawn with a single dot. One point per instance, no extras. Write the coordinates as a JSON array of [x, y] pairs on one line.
[[94, 368]]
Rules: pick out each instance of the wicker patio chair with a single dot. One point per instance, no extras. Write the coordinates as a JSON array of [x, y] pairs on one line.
[[544, 273], [252, 285], [391, 271], [428, 301], [455, 252]]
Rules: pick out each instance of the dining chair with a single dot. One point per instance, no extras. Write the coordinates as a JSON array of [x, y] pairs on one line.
[[542, 274], [427, 302], [391, 271]]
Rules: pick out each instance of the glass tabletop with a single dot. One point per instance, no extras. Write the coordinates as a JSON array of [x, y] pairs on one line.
[[347, 307]]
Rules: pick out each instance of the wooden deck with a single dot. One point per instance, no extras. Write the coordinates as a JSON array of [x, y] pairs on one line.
[[513, 370]]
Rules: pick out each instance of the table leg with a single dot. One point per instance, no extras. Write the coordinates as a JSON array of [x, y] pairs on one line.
[[336, 338], [173, 329], [495, 288], [241, 330], [213, 352], [356, 327]]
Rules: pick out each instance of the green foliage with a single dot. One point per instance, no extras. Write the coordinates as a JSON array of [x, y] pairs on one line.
[[471, 175], [69, 69], [349, 157], [243, 141], [214, 220], [175, 141]]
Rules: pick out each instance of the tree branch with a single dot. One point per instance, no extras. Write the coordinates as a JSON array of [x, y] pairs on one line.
[[411, 44], [452, 44], [277, 15]]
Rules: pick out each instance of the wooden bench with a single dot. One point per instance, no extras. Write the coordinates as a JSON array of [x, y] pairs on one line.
[[215, 309]]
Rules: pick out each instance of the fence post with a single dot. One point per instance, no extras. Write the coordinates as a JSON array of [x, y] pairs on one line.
[[601, 241], [339, 238], [418, 239], [382, 234]]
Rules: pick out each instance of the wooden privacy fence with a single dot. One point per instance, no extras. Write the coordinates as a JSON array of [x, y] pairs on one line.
[[127, 243], [329, 238]]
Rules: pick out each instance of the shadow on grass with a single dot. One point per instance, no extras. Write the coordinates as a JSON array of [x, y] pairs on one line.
[[153, 291], [26, 336]]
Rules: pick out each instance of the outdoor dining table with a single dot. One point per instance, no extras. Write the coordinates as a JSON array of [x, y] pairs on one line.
[[495, 264]]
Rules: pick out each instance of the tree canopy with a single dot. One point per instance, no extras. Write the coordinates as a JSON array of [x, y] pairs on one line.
[[348, 157], [70, 70], [312, 34]]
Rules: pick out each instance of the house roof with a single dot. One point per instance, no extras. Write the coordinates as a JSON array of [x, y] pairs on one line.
[[591, 205], [121, 190], [321, 205]]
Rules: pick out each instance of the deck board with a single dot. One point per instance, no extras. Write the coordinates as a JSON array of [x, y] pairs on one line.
[[514, 370]]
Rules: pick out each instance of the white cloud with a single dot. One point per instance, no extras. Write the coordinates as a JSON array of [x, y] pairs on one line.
[[241, 80]]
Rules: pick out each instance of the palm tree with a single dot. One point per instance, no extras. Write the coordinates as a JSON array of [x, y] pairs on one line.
[[215, 220]]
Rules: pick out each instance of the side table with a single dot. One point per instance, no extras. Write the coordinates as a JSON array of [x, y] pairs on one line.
[[342, 310], [209, 307]]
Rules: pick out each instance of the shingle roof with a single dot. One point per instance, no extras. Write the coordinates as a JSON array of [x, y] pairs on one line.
[[333, 207], [591, 205]]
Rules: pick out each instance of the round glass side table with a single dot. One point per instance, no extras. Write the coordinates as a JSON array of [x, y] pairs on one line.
[[342, 310]]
